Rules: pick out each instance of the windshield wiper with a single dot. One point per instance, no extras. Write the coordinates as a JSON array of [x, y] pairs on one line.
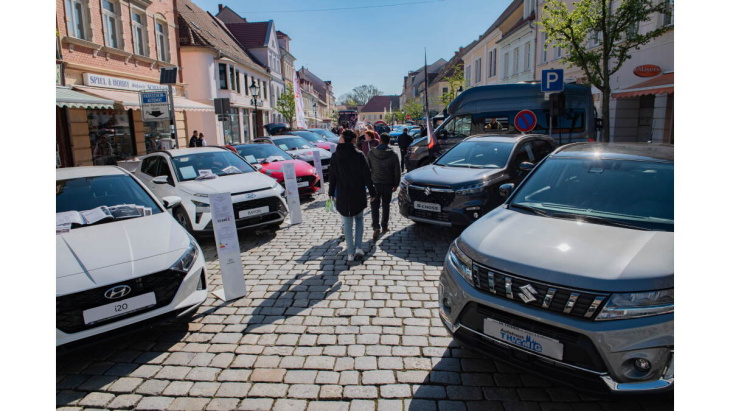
[[607, 221], [534, 210]]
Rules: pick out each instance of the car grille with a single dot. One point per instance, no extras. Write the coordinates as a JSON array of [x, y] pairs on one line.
[[308, 179], [70, 308], [578, 349], [429, 215], [272, 202], [444, 198], [566, 301]]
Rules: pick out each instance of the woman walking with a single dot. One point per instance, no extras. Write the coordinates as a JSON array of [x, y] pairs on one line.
[[349, 176]]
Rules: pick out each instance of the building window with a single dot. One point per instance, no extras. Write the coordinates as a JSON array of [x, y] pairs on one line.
[[478, 71], [222, 76], [527, 56], [528, 8], [505, 65], [238, 81], [557, 53], [444, 90], [493, 62], [264, 89], [231, 128], [78, 20], [245, 83], [594, 39], [163, 50], [516, 63], [544, 47], [232, 72], [139, 32], [668, 18], [467, 75], [110, 18], [110, 136]]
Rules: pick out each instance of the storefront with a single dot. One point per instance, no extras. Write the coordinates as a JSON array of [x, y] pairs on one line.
[[645, 111]]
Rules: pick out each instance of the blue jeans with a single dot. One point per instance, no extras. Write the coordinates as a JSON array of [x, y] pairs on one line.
[[349, 240]]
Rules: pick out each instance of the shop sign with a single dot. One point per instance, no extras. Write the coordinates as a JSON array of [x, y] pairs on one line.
[[155, 106], [96, 80], [647, 70]]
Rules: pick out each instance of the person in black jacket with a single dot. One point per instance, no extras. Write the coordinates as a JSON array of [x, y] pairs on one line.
[[385, 173], [404, 141], [349, 176]]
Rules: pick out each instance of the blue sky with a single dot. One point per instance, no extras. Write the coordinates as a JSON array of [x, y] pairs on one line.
[[376, 45]]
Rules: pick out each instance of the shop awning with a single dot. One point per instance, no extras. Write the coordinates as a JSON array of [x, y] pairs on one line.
[[130, 99], [65, 97], [663, 84]]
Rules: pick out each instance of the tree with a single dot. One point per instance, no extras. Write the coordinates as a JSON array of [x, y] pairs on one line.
[[286, 105], [360, 95], [455, 80], [614, 24], [414, 109]]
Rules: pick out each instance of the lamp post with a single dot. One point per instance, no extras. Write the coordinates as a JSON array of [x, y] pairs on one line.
[[315, 114], [255, 93]]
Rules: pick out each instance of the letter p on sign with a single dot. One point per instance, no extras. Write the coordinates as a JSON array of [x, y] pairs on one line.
[[552, 81]]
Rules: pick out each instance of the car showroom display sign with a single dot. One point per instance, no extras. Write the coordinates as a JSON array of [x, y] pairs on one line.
[[229, 251], [318, 166], [292, 193]]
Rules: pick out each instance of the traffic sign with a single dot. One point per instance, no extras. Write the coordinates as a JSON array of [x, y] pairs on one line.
[[525, 121], [155, 106], [552, 81], [408, 117]]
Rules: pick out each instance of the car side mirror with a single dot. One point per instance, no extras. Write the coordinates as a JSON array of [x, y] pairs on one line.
[[506, 189], [171, 201], [526, 166], [441, 134], [258, 167], [161, 180]]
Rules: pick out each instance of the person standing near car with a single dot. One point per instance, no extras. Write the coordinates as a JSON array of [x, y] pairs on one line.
[[385, 174], [201, 141], [194, 139], [349, 178], [404, 141]]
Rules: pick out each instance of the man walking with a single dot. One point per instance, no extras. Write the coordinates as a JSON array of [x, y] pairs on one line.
[[404, 141], [194, 141], [383, 164]]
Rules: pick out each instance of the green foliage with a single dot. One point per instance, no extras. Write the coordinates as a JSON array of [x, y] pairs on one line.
[[455, 80], [414, 109], [286, 105]]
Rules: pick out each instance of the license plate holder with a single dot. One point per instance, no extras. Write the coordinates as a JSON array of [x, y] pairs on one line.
[[524, 339], [253, 212], [433, 207], [303, 184], [119, 308]]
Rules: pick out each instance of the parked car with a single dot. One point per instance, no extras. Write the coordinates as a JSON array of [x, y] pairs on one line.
[[573, 277], [121, 259], [195, 173], [326, 134], [302, 149], [315, 139], [414, 132], [463, 184], [270, 159]]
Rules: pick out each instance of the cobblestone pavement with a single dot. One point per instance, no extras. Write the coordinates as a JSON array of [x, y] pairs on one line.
[[314, 334]]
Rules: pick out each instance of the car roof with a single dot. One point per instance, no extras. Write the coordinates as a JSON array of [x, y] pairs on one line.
[[88, 171], [252, 144], [618, 151], [192, 150]]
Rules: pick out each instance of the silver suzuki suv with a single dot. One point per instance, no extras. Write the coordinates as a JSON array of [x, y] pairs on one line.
[[573, 277]]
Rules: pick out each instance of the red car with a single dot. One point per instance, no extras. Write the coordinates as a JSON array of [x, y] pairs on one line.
[[269, 159], [315, 139]]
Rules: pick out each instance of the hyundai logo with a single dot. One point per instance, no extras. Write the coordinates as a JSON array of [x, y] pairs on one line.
[[251, 195], [117, 292]]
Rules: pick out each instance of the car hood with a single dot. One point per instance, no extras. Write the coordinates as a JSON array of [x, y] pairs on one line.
[[306, 153], [301, 168], [570, 253], [325, 145], [106, 253], [234, 183], [450, 176]]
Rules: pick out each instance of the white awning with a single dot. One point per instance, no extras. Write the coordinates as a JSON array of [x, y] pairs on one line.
[[130, 99], [65, 97]]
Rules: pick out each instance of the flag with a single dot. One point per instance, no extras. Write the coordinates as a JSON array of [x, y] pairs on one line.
[[299, 104], [429, 131]]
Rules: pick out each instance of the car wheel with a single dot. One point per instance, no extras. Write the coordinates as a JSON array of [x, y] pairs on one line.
[[182, 217]]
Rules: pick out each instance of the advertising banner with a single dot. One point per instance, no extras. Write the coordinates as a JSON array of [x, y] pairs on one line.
[[229, 251], [299, 104], [292, 193]]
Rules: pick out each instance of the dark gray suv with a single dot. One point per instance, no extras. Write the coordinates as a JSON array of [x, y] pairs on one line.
[[463, 184], [573, 277]]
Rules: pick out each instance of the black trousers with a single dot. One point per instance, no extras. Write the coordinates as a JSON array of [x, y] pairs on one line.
[[403, 159], [385, 194]]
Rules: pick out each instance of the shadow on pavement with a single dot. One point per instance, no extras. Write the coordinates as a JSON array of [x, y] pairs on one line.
[[421, 243]]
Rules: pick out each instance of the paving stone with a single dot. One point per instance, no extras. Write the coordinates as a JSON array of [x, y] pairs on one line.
[[395, 391], [126, 385], [187, 403], [222, 404], [303, 391], [290, 405], [429, 391], [378, 377], [204, 389], [451, 406], [268, 375], [362, 405], [233, 389], [328, 392], [268, 390], [125, 401], [97, 399], [327, 406], [155, 403], [360, 391], [178, 388]]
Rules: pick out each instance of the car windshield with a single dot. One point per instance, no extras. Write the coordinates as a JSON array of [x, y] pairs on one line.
[[262, 153], [209, 165], [89, 200], [477, 154], [292, 143], [328, 135], [638, 194], [309, 136]]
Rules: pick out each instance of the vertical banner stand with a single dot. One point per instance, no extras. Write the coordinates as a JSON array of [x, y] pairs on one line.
[[229, 251], [292, 194], [318, 166]]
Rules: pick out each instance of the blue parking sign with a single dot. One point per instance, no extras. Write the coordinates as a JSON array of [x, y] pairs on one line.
[[552, 81]]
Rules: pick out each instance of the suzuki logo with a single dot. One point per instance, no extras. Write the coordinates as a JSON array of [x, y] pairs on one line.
[[527, 293], [251, 195], [427, 191], [117, 292]]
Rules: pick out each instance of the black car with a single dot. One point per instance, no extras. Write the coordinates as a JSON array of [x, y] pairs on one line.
[[463, 184]]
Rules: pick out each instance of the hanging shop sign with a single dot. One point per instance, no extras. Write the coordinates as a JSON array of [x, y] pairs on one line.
[[647, 70]]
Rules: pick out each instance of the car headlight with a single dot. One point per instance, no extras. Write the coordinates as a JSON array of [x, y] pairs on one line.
[[275, 184], [461, 262], [404, 183], [472, 189], [201, 207], [635, 305], [184, 263]]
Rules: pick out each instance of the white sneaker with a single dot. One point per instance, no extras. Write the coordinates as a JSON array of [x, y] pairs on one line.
[[350, 258], [359, 253]]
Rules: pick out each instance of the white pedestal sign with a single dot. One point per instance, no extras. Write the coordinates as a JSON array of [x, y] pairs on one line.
[[229, 252], [318, 166], [292, 193]]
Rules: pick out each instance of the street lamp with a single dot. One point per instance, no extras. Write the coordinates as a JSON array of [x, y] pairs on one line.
[[315, 114], [255, 93]]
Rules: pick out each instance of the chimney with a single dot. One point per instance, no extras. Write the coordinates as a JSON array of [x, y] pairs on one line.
[[220, 7]]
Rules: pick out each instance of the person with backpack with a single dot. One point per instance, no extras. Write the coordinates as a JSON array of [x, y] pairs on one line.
[[404, 141], [385, 174], [349, 178]]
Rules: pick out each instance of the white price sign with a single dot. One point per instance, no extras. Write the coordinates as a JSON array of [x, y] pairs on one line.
[[155, 105], [318, 166], [292, 193], [229, 251]]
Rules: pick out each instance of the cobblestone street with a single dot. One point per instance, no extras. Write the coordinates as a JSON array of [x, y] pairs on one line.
[[314, 334]]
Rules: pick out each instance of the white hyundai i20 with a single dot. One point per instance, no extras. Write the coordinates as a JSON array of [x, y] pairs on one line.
[[121, 259]]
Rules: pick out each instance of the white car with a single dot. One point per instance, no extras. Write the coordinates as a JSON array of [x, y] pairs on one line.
[[121, 259], [195, 173]]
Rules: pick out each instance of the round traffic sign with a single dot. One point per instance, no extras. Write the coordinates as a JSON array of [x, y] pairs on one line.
[[525, 121]]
